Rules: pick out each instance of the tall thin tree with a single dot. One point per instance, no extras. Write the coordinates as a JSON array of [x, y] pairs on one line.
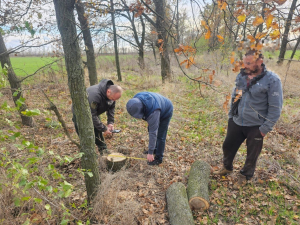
[[14, 82], [112, 12], [89, 47], [287, 26], [66, 24]]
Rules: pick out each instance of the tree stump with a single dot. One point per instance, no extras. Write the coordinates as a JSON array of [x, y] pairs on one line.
[[115, 161], [197, 188], [178, 206]]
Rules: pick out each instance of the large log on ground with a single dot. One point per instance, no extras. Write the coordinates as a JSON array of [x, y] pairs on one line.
[[178, 206], [197, 188], [115, 161]]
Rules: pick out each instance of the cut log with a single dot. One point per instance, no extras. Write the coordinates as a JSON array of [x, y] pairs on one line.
[[115, 161], [197, 188], [178, 206]]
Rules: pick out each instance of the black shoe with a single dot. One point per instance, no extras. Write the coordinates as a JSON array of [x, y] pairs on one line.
[[154, 162]]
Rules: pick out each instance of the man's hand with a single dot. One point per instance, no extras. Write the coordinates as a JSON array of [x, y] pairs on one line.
[[262, 134], [110, 127], [150, 158], [107, 133]]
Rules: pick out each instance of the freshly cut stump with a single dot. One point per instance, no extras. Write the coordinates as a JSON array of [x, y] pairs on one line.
[[178, 206], [115, 161], [197, 188]]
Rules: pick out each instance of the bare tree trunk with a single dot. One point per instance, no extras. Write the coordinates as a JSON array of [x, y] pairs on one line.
[[263, 16], [14, 83], [89, 47], [295, 48], [287, 26], [66, 25], [154, 53], [160, 8], [141, 47], [177, 22], [115, 40], [245, 23]]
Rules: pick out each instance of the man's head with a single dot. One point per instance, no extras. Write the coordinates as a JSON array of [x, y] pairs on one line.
[[252, 62], [135, 108], [114, 92]]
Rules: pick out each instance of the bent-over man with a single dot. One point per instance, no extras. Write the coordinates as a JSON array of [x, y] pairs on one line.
[[102, 98], [157, 110]]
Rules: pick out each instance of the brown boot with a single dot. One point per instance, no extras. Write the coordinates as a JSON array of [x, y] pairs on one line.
[[222, 172]]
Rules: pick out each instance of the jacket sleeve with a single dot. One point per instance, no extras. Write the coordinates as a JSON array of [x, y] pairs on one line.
[[275, 100], [153, 124], [111, 114], [232, 97], [96, 120]]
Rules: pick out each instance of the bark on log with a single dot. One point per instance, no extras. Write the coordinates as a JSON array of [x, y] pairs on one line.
[[197, 189], [178, 206], [115, 161]]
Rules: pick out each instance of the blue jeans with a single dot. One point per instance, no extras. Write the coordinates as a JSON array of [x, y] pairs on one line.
[[161, 137]]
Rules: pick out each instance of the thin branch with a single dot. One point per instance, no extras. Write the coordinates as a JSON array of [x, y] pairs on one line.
[[60, 119]]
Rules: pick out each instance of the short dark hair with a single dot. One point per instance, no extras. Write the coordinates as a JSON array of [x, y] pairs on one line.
[[254, 53]]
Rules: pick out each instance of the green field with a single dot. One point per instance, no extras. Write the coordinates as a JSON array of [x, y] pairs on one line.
[[24, 66], [28, 65], [288, 54]]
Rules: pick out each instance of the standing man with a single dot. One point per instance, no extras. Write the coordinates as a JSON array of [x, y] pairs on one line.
[[102, 98], [255, 108], [157, 110]]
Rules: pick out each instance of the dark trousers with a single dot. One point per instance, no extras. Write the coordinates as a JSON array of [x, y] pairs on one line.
[[161, 137], [235, 137], [99, 139]]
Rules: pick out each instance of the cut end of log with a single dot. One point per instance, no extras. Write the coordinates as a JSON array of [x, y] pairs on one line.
[[116, 157], [197, 203], [115, 161]]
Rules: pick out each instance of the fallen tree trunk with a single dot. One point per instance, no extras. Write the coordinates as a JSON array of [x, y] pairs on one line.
[[197, 189], [178, 206]]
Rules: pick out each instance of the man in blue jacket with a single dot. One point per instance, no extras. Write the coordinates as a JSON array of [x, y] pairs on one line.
[[157, 110], [256, 106]]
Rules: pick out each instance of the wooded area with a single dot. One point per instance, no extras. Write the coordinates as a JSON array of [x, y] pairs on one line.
[[188, 50]]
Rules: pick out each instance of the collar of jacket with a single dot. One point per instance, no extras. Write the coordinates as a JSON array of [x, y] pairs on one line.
[[103, 86]]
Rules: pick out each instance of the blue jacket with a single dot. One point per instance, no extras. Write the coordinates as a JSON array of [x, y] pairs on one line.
[[260, 105], [153, 101]]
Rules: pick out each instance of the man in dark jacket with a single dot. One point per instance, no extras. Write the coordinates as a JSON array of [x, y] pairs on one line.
[[157, 110], [102, 99], [256, 107]]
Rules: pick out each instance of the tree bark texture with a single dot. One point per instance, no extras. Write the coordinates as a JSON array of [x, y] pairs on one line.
[[287, 27], [15, 85], [115, 40], [161, 28], [89, 47], [178, 206], [141, 45], [66, 25], [197, 189]]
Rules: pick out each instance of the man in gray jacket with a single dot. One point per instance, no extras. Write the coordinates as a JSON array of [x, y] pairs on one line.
[[255, 108], [102, 98]]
